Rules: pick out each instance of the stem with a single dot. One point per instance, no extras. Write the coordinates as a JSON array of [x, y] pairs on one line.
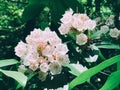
[[101, 55]]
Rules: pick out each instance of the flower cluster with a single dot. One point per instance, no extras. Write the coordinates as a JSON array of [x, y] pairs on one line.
[[108, 26], [76, 23], [114, 33], [43, 51]]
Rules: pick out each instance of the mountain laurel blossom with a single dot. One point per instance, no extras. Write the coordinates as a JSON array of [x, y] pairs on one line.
[[81, 39], [43, 51], [76, 23], [114, 33], [80, 22]]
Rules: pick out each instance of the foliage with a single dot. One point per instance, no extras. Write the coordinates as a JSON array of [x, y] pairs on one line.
[[89, 73], [13, 74], [92, 65]]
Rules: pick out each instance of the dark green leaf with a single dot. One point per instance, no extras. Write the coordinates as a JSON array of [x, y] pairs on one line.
[[33, 9], [108, 46], [112, 81], [83, 77], [98, 33]]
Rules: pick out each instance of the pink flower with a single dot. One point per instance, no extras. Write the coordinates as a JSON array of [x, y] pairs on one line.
[[84, 17], [21, 49], [64, 28], [81, 39], [44, 67], [43, 51], [55, 68], [67, 17], [90, 24], [77, 22]]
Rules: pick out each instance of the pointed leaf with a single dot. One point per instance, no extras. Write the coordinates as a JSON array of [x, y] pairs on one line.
[[7, 62], [109, 46], [83, 77], [98, 33], [18, 76], [33, 9], [112, 81]]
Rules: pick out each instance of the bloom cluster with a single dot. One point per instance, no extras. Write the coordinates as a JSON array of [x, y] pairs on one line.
[[43, 51], [114, 33], [76, 22], [108, 26]]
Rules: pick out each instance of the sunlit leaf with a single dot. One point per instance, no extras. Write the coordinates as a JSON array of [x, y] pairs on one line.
[[112, 81], [7, 62], [18, 76], [98, 33], [83, 77], [109, 46]]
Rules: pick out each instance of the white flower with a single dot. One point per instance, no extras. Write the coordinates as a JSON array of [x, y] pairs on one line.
[[77, 22], [93, 47], [51, 37], [92, 58], [21, 49], [81, 39], [63, 59], [90, 24], [44, 67], [79, 67], [55, 68], [43, 51], [119, 18], [61, 48], [98, 19], [84, 17], [64, 28], [33, 65], [48, 50], [114, 33], [67, 17], [34, 37], [65, 87], [111, 17], [104, 27], [109, 22], [31, 55]]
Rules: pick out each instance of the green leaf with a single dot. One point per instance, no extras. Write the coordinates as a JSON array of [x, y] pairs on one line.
[[98, 33], [101, 55], [108, 46], [18, 76], [31, 76], [7, 62], [118, 66], [33, 9], [83, 77], [112, 81]]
